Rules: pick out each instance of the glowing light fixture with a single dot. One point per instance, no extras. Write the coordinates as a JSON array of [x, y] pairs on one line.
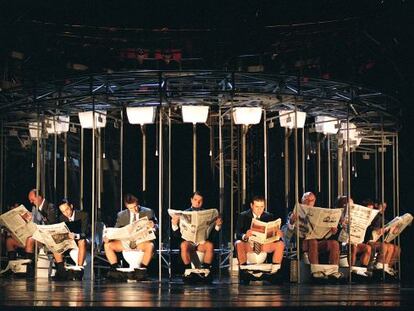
[[194, 114], [141, 115], [287, 118], [247, 115], [57, 124], [86, 119], [326, 125]]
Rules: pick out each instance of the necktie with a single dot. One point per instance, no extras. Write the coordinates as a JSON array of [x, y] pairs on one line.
[[257, 247], [133, 244]]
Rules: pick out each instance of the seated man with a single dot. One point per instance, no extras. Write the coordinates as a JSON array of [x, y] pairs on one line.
[[316, 247], [363, 249], [43, 213], [388, 252], [243, 232], [77, 222], [187, 247], [133, 212]]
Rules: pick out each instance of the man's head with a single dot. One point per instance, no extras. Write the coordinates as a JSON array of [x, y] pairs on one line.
[[131, 202], [309, 198], [197, 199], [66, 208], [368, 203], [341, 202], [382, 207], [257, 204], [35, 199]]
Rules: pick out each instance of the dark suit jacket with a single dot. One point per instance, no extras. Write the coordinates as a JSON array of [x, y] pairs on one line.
[[48, 212], [80, 224], [244, 222], [213, 234], [123, 218]]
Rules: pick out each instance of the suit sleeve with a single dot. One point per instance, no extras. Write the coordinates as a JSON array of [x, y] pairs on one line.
[[240, 226], [51, 214], [118, 223], [84, 225]]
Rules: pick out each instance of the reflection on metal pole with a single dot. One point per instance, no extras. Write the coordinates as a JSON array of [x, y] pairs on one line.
[[328, 141], [81, 196], [265, 157], [65, 163], [144, 163], [194, 157], [244, 132], [160, 189]]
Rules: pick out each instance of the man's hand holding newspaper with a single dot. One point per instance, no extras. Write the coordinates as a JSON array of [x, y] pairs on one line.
[[264, 232], [139, 231]]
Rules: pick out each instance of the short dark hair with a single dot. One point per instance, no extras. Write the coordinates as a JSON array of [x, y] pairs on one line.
[[367, 202], [197, 193], [259, 198], [39, 193], [341, 201], [64, 201], [130, 198]]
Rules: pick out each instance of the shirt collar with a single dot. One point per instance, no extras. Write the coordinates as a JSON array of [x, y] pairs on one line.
[[41, 205], [72, 218]]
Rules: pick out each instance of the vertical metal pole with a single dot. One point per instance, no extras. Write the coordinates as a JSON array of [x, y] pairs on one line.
[[303, 162], [265, 157], [65, 162], [169, 188], [93, 176], [318, 157], [221, 186], [55, 167], [194, 157], [98, 168], [232, 164], [2, 135], [382, 182], [397, 175], [144, 162], [160, 190], [121, 161], [328, 141], [286, 155], [82, 141], [297, 190], [244, 132], [348, 193]]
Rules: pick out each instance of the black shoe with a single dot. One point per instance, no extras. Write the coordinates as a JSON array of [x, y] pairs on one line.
[[115, 275], [140, 274], [61, 275]]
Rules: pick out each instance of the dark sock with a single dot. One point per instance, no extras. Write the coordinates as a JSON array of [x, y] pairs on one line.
[[143, 266], [114, 266], [188, 266], [11, 255], [30, 256], [206, 266], [60, 267]]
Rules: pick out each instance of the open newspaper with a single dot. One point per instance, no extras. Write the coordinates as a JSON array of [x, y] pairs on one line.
[[195, 226], [394, 228], [265, 232], [317, 222], [139, 231], [361, 218], [55, 237], [18, 223]]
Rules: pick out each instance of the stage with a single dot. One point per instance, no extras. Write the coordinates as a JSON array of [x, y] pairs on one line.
[[44, 294]]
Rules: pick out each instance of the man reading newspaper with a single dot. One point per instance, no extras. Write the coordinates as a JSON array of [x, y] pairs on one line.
[[194, 228], [134, 230], [257, 232]]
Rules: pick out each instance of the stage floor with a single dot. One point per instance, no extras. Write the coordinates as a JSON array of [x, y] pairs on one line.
[[44, 294]]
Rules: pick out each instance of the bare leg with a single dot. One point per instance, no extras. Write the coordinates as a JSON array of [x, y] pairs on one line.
[[277, 249], [208, 249], [82, 252], [186, 248], [111, 248], [148, 249], [242, 248], [313, 251]]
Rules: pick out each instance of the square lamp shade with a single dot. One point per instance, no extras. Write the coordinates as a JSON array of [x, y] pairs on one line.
[[351, 128], [194, 114], [326, 125], [57, 124], [35, 130], [86, 119], [247, 115], [287, 118], [141, 115]]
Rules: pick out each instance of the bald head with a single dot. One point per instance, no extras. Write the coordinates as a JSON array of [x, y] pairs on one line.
[[309, 198]]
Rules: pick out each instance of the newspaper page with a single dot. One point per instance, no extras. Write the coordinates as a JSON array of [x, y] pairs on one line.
[[265, 232], [361, 218], [18, 222], [394, 228], [55, 237], [317, 222], [195, 226], [138, 231]]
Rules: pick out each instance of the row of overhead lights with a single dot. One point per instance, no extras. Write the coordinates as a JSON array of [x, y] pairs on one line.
[[198, 114]]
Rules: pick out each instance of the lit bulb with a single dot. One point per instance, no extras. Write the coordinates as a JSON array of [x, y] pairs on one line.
[[156, 153], [282, 155], [308, 157], [104, 155], [210, 153]]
